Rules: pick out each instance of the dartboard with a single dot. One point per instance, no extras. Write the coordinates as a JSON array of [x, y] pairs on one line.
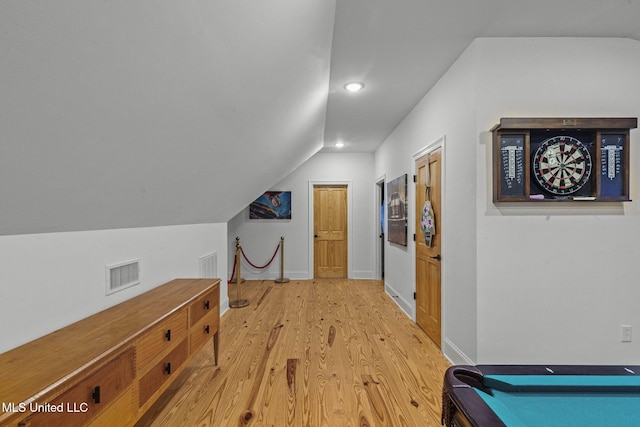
[[562, 165]]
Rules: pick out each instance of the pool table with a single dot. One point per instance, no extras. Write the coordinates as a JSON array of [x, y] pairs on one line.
[[539, 395]]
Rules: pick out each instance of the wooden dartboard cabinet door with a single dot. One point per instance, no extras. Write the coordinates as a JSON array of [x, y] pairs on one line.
[[561, 159]]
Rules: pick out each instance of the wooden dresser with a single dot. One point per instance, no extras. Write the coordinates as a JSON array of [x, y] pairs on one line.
[[108, 369]]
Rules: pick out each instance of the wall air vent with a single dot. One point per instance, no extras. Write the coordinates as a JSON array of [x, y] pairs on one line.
[[209, 266], [122, 275]]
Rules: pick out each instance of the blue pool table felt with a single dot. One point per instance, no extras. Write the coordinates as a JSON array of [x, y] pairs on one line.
[[567, 400]]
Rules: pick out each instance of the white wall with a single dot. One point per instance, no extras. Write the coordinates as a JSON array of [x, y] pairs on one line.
[[555, 283], [259, 238], [526, 283], [448, 112], [51, 280]]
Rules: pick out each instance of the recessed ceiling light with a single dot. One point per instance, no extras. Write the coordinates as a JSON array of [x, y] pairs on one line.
[[339, 144], [354, 86]]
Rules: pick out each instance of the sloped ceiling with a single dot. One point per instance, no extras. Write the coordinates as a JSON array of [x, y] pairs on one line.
[[117, 114]]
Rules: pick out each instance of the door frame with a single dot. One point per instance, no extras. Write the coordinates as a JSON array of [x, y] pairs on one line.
[[349, 185], [440, 228], [382, 180]]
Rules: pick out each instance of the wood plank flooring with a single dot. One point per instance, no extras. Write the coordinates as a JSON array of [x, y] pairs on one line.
[[310, 353]]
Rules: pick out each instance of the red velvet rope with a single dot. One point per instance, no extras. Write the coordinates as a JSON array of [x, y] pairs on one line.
[[264, 266], [235, 261], [233, 272]]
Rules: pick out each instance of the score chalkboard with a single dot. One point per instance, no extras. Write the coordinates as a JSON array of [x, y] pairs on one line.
[[611, 165], [512, 165]]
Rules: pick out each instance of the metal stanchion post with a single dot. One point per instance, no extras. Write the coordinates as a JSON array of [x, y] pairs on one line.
[[282, 279], [238, 302], [238, 279]]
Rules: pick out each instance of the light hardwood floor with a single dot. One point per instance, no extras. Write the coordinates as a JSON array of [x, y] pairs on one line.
[[310, 353]]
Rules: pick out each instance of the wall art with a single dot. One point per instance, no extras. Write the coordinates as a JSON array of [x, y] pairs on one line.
[[397, 210], [271, 205]]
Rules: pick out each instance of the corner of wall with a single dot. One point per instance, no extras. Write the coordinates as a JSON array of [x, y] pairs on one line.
[[454, 354], [404, 305]]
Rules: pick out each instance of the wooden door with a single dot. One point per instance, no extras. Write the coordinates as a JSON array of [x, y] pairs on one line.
[[330, 231], [428, 260]]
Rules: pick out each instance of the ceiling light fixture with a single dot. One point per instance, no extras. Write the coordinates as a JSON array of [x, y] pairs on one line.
[[339, 144], [354, 86]]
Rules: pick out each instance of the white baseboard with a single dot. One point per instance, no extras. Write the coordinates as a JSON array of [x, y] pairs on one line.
[[363, 275], [404, 305], [291, 275], [300, 275], [454, 354], [224, 306]]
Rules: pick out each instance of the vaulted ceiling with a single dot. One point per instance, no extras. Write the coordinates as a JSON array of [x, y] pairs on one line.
[[121, 114]]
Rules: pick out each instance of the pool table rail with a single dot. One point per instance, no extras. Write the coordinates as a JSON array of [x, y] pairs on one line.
[[462, 405], [459, 397]]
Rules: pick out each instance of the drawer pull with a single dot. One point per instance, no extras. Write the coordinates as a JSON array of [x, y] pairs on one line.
[[96, 394], [206, 305], [167, 368], [206, 329], [167, 335]]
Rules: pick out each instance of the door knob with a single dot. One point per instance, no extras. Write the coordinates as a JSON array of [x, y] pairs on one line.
[[438, 257]]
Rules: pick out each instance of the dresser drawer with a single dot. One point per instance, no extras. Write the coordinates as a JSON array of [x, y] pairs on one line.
[[160, 337], [120, 413], [84, 401], [206, 304], [153, 380], [203, 331]]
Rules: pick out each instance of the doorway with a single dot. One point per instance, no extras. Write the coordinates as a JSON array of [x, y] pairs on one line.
[[428, 254], [330, 231], [380, 215]]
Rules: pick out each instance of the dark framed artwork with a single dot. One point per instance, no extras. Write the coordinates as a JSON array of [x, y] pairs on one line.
[[271, 205], [397, 210]]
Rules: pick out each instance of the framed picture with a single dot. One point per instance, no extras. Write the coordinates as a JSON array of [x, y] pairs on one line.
[[397, 210], [271, 205]]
